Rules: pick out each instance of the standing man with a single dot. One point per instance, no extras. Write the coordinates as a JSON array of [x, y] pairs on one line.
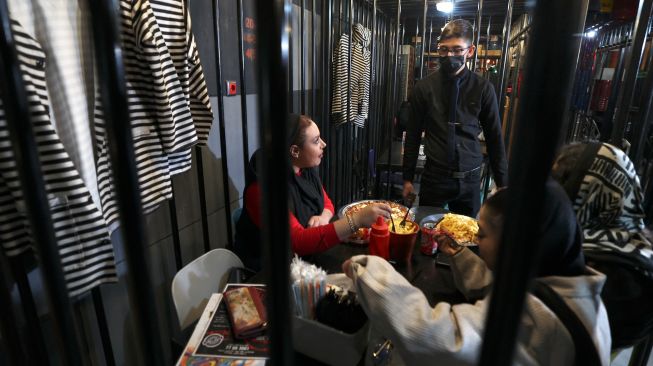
[[452, 107]]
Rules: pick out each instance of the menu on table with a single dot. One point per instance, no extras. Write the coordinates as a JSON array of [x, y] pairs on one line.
[[213, 342]]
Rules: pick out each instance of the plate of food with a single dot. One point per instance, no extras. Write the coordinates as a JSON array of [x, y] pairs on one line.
[[363, 234], [463, 229]]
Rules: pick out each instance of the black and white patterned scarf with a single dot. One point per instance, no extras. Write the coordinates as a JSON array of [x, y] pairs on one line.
[[609, 209]]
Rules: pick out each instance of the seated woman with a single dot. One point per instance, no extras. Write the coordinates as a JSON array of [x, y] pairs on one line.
[[453, 334], [310, 207], [603, 186]]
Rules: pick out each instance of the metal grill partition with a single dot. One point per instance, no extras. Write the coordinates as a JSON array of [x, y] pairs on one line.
[[21, 133], [348, 170], [537, 134], [348, 166]]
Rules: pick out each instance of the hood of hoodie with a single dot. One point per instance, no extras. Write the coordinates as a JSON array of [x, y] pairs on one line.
[[361, 35]]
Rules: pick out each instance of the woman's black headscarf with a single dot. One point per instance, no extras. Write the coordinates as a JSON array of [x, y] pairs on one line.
[[558, 233], [304, 190]]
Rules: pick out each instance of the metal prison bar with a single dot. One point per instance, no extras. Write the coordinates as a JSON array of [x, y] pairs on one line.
[[19, 125], [221, 124], [273, 37], [505, 60], [633, 60], [8, 328], [537, 135], [114, 99]]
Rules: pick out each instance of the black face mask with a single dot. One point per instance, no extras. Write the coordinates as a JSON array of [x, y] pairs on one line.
[[451, 64]]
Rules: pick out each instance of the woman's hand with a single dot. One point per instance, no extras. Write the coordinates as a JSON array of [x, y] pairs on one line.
[[367, 216], [316, 221], [447, 244], [346, 268]]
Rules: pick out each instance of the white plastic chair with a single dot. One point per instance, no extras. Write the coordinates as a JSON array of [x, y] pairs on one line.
[[193, 285]]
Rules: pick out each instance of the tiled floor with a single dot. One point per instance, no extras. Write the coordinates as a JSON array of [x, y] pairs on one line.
[[623, 357]]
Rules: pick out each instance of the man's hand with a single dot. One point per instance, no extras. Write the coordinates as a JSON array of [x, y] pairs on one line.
[[408, 188]]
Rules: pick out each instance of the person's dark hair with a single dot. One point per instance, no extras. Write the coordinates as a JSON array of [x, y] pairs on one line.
[[557, 231], [567, 162], [458, 28], [298, 126]]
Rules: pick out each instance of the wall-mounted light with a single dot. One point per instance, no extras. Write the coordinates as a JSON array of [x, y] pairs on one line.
[[444, 6]]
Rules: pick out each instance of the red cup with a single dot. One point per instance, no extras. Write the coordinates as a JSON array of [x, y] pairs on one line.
[[402, 243]]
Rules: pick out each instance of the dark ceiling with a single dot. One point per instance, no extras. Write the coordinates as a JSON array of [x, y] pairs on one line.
[[493, 11]]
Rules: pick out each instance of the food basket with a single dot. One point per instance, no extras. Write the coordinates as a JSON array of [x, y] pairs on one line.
[[362, 236]]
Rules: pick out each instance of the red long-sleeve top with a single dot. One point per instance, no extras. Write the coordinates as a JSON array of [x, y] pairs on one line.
[[304, 241]]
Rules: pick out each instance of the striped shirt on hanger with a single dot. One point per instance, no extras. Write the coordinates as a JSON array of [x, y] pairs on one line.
[[357, 89], [80, 230], [168, 100]]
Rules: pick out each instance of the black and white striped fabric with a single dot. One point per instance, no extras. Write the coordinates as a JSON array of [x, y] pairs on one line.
[[610, 211], [359, 85], [80, 230], [167, 98]]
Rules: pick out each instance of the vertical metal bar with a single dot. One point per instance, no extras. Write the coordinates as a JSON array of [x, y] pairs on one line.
[[201, 187], [390, 96], [8, 329], [326, 83], [633, 60], [421, 66], [19, 126], [513, 97], [121, 148], [640, 129], [223, 136], [348, 126], [372, 101], [243, 86], [392, 99], [272, 35], [302, 59], [395, 90], [314, 72], [416, 35], [505, 60], [36, 345], [429, 46], [477, 39], [101, 318], [174, 226], [487, 55], [641, 352], [606, 128], [338, 131], [291, 61], [331, 50], [383, 34], [537, 135]]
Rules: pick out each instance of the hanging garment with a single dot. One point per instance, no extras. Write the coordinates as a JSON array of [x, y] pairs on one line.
[[175, 23], [168, 100], [80, 230], [354, 92], [57, 25]]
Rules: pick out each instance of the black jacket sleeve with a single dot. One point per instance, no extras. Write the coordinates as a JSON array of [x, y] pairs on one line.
[[491, 124], [414, 130]]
